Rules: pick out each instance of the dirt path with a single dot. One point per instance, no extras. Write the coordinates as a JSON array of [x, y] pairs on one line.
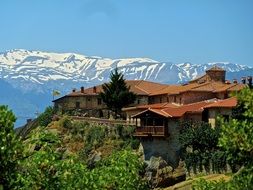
[[186, 185]]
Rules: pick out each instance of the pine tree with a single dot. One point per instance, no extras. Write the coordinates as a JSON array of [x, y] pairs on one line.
[[116, 94]]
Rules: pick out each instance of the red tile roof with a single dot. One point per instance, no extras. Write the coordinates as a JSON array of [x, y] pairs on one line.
[[226, 103], [140, 87], [194, 107], [180, 110], [212, 87], [158, 105]]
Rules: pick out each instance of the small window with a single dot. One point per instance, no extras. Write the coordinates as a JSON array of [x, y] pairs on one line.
[[175, 99], [161, 99], [77, 104], [99, 101], [88, 99], [138, 101]]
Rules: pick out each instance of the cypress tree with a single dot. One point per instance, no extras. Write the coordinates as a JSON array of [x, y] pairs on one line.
[[116, 94]]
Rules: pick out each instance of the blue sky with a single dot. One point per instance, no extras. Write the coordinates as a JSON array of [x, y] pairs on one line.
[[196, 31]]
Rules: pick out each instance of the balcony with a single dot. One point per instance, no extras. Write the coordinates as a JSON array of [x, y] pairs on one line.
[[148, 131]]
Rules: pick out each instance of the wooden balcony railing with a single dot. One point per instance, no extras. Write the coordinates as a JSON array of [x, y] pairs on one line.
[[158, 131]]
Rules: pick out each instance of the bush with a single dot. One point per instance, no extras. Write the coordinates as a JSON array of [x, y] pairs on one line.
[[199, 144], [46, 117], [241, 181], [10, 148]]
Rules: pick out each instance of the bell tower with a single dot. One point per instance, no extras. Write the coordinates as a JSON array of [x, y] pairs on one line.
[[216, 74]]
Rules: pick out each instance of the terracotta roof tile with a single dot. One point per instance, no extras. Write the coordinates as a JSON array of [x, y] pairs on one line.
[[140, 87], [194, 107], [179, 111], [157, 111], [231, 87], [208, 87], [158, 105], [227, 103], [176, 89]]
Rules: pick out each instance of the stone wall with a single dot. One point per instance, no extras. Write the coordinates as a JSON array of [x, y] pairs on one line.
[[167, 148], [214, 112], [158, 99], [191, 97], [85, 102], [216, 75]]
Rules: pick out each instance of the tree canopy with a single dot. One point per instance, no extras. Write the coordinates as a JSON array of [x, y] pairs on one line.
[[10, 148], [116, 94]]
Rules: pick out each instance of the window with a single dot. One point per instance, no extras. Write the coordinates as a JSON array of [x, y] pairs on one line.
[[99, 101], [138, 101], [175, 99], [88, 99], [77, 104], [161, 99]]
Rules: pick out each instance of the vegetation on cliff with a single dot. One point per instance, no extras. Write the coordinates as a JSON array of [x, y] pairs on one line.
[[69, 154]]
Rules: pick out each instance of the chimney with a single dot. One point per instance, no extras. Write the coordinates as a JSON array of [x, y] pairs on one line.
[[243, 80], [94, 89], [82, 89], [235, 81], [227, 82], [73, 90], [249, 81]]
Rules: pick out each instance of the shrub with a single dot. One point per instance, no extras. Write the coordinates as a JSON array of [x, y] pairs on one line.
[[10, 148], [46, 117]]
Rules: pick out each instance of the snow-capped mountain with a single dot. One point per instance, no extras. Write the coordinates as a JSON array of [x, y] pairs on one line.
[[41, 72], [27, 78]]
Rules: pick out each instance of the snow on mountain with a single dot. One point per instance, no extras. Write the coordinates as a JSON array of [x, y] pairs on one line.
[[33, 75], [41, 71]]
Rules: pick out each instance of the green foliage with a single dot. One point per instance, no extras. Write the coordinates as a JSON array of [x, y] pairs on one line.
[[126, 134], [46, 117], [116, 94], [210, 185], [120, 171], [199, 135], [200, 149], [10, 148], [241, 181], [47, 170], [237, 134], [40, 162]]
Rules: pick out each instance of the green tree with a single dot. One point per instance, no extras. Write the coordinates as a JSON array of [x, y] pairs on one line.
[[199, 143], [116, 94], [237, 134], [46, 117], [10, 148]]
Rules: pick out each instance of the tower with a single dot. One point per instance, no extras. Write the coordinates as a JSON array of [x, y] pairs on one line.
[[216, 74]]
